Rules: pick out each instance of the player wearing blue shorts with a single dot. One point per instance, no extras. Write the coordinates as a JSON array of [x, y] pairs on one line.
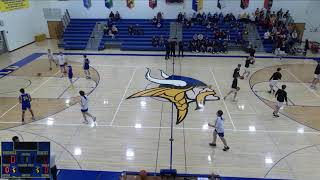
[[86, 66], [70, 74], [219, 130], [25, 100], [84, 108]]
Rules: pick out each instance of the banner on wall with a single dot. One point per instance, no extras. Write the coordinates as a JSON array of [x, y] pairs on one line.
[[221, 4], [130, 4], [268, 4], [244, 4], [152, 4], [174, 1], [197, 5], [87, 3], [11, 5], [109, 3]]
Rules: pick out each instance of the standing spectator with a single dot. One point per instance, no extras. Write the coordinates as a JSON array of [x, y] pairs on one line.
[[111, 16], [306, 47], [117, 16], [173, 48], [181, 48], [219, 130], [167, 46]]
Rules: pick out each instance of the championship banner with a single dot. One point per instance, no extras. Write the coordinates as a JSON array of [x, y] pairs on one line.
[[10, 5], [221, 4], [153, 3], [244, 4], [109, 3], [130, 4], [268, 4], [197, 5], [87, 3]]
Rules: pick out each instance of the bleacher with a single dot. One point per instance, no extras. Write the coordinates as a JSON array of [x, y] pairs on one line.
[[267, 43], [78, 33]]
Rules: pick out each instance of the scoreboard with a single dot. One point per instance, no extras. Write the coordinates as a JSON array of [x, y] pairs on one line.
[[25, 160]]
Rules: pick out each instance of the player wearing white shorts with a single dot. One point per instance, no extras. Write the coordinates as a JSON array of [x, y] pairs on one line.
[[274, 80], [316, 77], [62, 63], [281, 96], [51, 59], [84, 108]]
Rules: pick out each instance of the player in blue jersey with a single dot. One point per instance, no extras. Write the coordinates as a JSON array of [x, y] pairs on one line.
[[70, 74], [86, 66], [25, 100]]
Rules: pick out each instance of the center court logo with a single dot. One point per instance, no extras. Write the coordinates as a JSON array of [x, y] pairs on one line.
[[179, 90]]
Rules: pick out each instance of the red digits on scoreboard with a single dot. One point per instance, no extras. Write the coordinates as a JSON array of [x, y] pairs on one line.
[[7, 170], [13, 159], [46, 170]]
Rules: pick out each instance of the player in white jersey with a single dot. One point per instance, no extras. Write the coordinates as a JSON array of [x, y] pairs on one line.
[[51, 59], [84, 108], [62, 63]]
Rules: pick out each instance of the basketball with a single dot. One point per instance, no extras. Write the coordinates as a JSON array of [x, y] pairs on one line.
[[143, 174], [241, 77]]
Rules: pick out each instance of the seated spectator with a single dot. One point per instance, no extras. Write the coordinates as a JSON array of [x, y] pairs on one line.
[[155, 41], [208, 26], [117, 16], [214, 47], [159, 25], [111, 16], [188, 23], [154, 20], [294, 36], [106, 29], [195, 37], [114, 30], [130, 30], [159, 16], [209, 46], [194, 17], [266, 35], [200, 37]]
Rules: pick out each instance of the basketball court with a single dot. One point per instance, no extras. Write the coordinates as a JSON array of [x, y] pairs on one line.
[[133, 133]]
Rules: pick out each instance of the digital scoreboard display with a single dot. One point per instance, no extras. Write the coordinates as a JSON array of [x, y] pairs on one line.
[[25, 160]]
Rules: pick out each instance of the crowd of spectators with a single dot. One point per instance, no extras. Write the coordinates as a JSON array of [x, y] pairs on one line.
[[135, 30], [157, 20], [203, 44], [114, 17]]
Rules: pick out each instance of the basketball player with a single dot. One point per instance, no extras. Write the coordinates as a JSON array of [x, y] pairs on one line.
[[281, 96], [247, 65], [274, 80], [51, 59], [25, 100], [70, 74], [219, 130], [236, 71], [234, 88], [62, 63], [316, 77], [86, 66], [84, 108]]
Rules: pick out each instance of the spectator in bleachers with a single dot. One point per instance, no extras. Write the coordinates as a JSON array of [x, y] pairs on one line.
[[266, 35], [194, 17], [159, 25], [130, 30], [203, 46], [106, 29], [117, 16], [239, 39], [200, 37], [159, 16], [154, 20], [209, 46], [180, 17], [181, 48], [114, 30], [155, 41], [187, 22], [111, 16]]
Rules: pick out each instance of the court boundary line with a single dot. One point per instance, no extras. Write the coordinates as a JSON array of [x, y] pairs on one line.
[[224, 103], [124, 94], [65, 90]]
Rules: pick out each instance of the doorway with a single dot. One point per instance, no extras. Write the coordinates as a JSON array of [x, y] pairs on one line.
[[3, 45]]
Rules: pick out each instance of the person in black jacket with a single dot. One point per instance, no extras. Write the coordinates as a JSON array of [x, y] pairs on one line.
[[173, 48], [167, 45], [181, 48], [281, 96]]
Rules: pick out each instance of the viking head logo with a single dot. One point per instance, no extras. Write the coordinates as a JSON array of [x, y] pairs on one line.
[[179, 90]]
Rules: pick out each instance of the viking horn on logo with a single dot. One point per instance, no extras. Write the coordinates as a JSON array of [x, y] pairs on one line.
[[179, 90]]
